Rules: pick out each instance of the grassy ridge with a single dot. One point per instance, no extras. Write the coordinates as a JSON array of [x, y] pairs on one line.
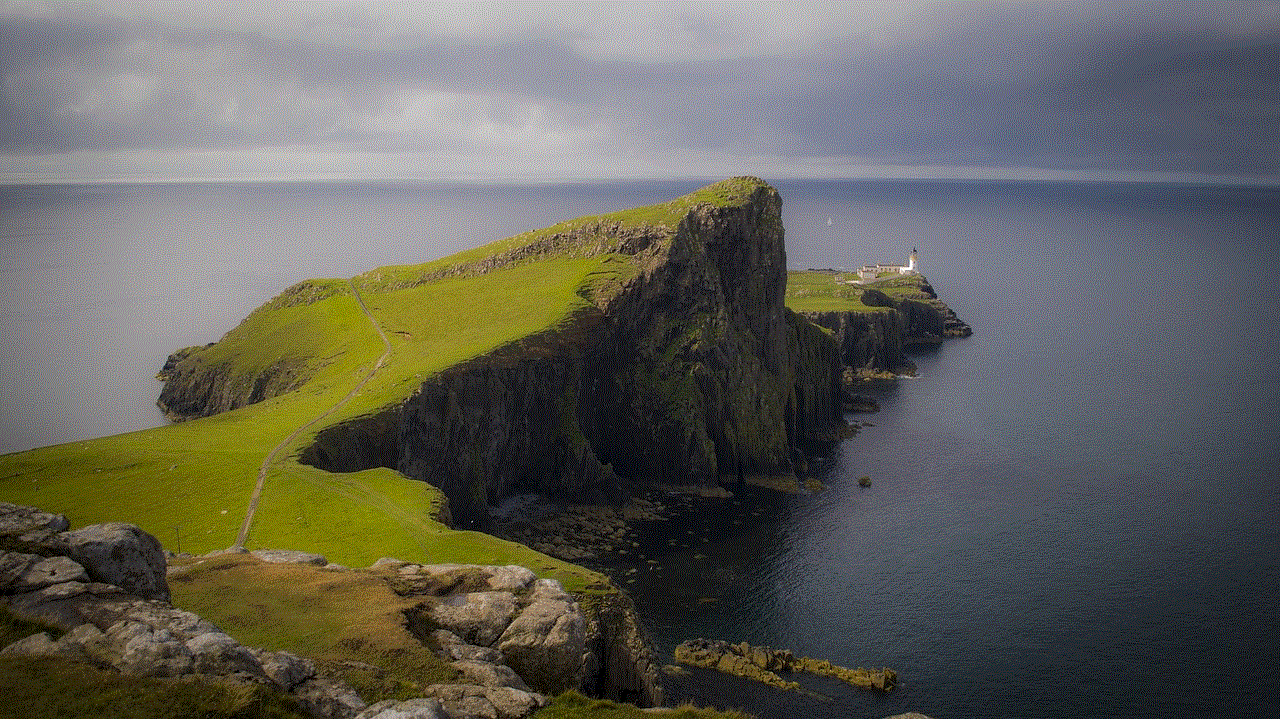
[[189, 484]]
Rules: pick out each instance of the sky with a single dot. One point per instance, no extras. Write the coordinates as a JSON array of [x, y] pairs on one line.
[[121, 91]]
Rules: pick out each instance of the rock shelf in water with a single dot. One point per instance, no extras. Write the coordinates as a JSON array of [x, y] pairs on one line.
[[762, 664]]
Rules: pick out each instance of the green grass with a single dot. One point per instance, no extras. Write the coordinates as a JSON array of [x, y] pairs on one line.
[[819, 291], [189, 484], [46, 688], [350, 617], [572, 705]]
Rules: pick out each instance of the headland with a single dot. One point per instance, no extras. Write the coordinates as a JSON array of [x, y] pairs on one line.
[[386, 414]]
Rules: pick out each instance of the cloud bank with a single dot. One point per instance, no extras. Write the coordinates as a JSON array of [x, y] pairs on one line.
[[599, 90]]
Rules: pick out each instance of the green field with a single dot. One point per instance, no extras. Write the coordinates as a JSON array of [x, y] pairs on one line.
[[825, 291], [190, 483]]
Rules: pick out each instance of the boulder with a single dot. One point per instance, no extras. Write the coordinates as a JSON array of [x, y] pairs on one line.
[[120, 554], [44, 645], [139, 649], [287, 670], [328, 698]]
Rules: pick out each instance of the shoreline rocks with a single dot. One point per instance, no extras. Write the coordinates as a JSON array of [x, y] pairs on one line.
[[763, 664]]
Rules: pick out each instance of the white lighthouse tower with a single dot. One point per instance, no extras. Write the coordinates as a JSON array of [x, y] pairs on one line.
[[911, 263]]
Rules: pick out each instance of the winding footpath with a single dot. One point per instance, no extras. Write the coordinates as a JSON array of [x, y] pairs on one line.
[[275, 452]]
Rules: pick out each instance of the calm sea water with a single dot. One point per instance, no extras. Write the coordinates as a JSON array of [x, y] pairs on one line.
[[1073, 512]]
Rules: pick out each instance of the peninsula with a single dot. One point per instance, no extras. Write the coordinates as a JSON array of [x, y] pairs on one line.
[[383, 415]]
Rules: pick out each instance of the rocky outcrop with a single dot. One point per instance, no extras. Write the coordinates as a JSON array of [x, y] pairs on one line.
[[512, 638], [870, 342], [623, 665], [120, 555], [762, 664], [194, 387], [505, 629], [928, 318], [874, 342], [75, 582]]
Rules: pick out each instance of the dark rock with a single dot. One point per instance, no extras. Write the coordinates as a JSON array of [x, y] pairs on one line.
[[876, 298], [860, 403]]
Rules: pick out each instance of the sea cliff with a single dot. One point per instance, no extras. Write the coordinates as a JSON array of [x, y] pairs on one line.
[[682, 367], [873, 323]]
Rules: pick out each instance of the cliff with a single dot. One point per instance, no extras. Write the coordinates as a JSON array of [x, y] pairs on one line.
[[680, 365], [874, 323]]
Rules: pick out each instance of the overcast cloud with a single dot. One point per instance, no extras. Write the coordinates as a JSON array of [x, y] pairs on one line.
[[600, 90]]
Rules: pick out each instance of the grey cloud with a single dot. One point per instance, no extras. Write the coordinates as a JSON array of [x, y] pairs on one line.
[[1170, 87]]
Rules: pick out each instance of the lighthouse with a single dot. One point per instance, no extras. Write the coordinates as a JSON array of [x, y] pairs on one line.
[[911, 263]]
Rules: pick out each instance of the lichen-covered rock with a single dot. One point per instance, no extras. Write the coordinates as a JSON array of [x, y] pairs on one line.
[[489, 674], [328, 698], [408, 709], [44, 645], [16, 519], [547, 642], [20, 573], [477, 617], [465, 700], [289, 556], [128, 625], [441, 579], [120, 554], [69, 604], [287, 670]]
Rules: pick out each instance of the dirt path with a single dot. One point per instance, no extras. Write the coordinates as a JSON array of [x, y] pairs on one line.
[[271, 457]]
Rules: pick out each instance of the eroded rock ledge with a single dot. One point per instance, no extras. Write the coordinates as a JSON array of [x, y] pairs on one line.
[[513, 638]]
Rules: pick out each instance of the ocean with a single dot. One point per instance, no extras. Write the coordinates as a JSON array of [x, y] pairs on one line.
[[1073, 512]]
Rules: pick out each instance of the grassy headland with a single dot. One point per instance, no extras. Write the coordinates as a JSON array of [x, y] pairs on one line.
[[189, 483]]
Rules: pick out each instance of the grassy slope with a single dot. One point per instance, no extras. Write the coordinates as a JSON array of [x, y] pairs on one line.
[[189, 484], [819, 292]]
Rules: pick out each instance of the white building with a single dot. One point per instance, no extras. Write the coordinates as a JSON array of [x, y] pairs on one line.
[[870, 272]]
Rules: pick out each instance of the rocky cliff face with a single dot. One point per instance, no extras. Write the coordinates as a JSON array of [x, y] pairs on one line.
[[194, 389], [693, 370], [874, 342]]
